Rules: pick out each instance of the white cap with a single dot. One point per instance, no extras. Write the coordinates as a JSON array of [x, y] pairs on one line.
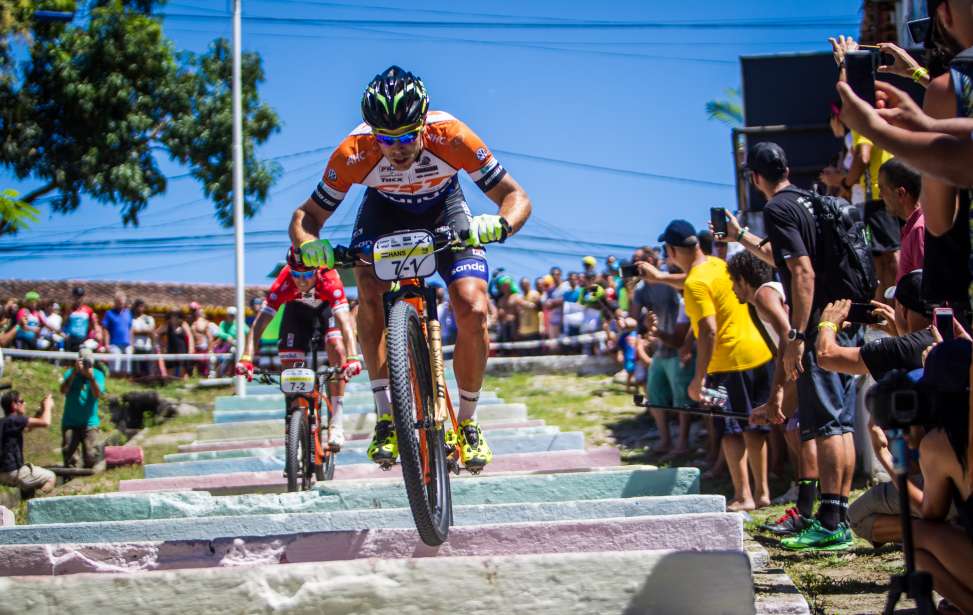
[[231, 310]]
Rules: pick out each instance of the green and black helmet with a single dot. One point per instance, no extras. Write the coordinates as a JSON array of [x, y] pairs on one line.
[[394, 100]]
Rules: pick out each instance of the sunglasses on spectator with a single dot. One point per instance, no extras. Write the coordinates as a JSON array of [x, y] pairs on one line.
[[303, 275], [404, 139]]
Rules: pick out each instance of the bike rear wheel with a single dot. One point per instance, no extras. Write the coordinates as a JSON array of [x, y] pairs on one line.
[[421, 445], [325, 469]]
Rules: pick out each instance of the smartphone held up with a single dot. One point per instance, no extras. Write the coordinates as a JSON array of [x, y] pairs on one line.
[[717, 217]]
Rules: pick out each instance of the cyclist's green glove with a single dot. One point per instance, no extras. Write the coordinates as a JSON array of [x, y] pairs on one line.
[[487, 228], [317, 253]]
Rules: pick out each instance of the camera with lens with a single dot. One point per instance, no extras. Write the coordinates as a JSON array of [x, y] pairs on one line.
[[899, 400], [87, 358]]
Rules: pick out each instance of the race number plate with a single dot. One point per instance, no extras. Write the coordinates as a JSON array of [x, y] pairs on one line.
[[297, 380], [404, 255]]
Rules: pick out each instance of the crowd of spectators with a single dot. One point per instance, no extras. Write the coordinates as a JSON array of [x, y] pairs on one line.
[[31, 323]]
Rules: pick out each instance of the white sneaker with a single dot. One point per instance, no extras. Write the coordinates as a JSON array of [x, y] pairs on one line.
[[337, 438]]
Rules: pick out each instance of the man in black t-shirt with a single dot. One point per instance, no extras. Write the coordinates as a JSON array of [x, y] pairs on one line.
[[13, 471], [909, 326], [826, 401]]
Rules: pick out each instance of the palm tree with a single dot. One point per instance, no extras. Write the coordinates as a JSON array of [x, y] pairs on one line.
[[15, 215], [727, 111]]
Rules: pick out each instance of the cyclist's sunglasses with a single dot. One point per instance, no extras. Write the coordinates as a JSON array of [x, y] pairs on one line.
[[303, 275], [404, 139]]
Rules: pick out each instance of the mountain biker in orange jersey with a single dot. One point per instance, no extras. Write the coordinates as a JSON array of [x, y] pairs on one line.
[[303, 289], [408, 158]]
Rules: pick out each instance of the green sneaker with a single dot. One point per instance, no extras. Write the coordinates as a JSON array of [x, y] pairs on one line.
[[384, 447], [815, 537], [474, 450]]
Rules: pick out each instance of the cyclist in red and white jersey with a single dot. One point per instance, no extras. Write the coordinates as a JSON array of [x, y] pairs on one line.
[[303, 290], [408, 158]]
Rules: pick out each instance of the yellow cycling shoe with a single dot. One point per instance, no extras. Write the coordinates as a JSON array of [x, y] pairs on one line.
[[384, 447], [474, 450]]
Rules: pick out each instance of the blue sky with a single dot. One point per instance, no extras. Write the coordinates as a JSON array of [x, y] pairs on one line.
[[603, 126]]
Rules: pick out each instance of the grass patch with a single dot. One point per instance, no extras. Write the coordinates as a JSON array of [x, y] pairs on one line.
[[34, 379]]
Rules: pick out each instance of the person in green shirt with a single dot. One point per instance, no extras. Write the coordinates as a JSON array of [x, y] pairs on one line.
[[82, 385]]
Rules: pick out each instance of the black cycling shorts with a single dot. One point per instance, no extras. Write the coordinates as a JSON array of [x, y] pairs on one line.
[[378, 216], [297, 326]]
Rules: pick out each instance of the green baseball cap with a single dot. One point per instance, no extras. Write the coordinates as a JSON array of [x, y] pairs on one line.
[[32, 295]]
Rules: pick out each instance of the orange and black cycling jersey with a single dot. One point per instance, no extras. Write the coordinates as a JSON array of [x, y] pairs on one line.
[[448, 146]]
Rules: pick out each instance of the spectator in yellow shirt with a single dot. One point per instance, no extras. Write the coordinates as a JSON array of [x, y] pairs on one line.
[[730, 353]]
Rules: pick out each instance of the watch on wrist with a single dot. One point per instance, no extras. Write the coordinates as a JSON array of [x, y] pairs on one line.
[[794, 334]]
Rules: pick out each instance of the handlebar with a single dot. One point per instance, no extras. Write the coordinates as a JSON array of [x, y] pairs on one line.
[[347, 257], [268, 377]]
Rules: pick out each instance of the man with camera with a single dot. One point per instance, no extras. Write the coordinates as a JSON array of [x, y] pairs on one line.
[[729, 352], [826, 401], [14, 472], [82, 385]]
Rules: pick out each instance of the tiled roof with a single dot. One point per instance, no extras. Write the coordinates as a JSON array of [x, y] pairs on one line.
[[155, 294]]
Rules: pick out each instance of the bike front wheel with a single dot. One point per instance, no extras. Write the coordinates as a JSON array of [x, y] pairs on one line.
[[296, 453], [421, 445]]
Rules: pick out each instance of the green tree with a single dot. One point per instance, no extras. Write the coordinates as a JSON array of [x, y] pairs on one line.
[[727, 111], [95, 104]]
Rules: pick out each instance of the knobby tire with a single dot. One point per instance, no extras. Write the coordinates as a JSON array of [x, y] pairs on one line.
[[292, 452], [408, 354]]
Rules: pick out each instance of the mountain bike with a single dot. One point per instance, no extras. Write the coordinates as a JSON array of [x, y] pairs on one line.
[[307, 454], [425, 421]]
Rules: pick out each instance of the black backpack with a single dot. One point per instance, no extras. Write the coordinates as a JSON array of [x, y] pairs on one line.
[[843, 264]]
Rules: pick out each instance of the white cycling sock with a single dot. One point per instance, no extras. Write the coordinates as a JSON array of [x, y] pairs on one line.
[[337, 410], [383, 399], [467, 404]]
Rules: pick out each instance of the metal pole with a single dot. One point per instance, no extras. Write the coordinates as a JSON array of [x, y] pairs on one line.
[[240, 383]]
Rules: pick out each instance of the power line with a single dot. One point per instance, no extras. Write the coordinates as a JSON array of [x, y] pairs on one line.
[[605, 169], [773, 23]]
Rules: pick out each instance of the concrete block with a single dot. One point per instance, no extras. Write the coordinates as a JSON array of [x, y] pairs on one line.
[[199, 446], [354, 402], [267, 459], [501, 440], [653, 582], [493, 412], [354, 423], [7, 517], [354, 495], [117, 456], [699, 532], [274, 482]]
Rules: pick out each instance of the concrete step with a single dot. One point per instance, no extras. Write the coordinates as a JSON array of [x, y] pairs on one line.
[[488, 412], [353, 402], [571, 440], [659, 582], [505, 439], [274, 482], [352, 495], [199, 446], [282, 524], [695, 531], [354, 424]]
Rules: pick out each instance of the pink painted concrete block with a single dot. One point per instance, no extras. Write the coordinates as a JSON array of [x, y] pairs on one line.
[[225, 445], [116, 456], [7, 517], [254, 482], [691, 532]]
